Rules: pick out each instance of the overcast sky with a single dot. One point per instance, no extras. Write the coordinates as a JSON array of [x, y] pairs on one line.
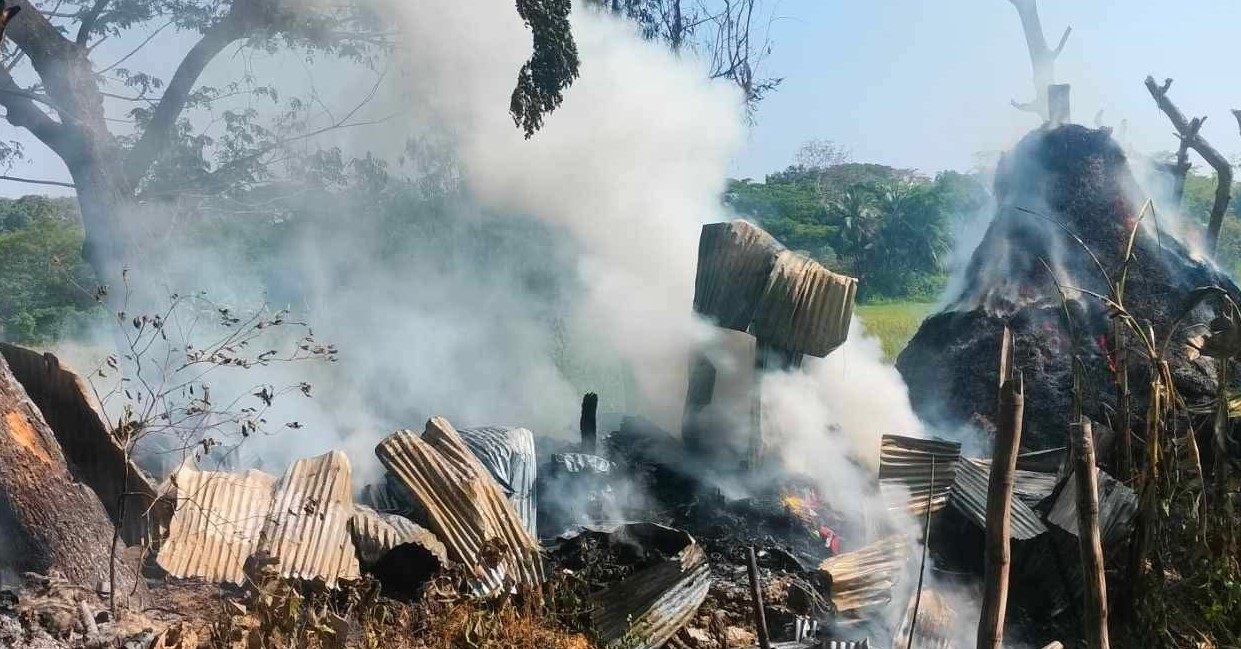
[[927, 85]]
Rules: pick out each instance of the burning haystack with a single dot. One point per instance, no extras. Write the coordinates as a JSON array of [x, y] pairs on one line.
[[1070, 226]]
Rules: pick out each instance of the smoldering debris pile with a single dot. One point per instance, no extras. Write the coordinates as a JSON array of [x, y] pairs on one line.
[[1060, 242]]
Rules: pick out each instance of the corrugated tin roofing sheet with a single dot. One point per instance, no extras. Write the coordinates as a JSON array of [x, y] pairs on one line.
[[969, 496], [646, 609], [935, 622], [308, 532], [218, 522], [464, 505], [806, 308], [375, 533], [905, 468], [1031, 487], [734, 265], [1118, 505], [508, 453], [864, 578]]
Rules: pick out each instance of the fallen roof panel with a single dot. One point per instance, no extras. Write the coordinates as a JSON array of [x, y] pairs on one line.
[[375, 534], [969, 496], [906, 465], [1118, 506], [1031, 487], [508, 453], [464, 506], [864, 578], [308, 531], [218, 521]]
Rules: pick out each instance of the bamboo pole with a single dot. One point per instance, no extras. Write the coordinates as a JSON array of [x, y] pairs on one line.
[[756, 594], [1124, 400], [1094, 580], [999, 509]]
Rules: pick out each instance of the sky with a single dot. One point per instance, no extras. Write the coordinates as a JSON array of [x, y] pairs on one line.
[[926, 85]]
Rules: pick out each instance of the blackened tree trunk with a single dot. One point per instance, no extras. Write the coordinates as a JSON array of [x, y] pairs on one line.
[[48, 521]]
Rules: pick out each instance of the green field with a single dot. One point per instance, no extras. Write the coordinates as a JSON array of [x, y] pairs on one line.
[[893, 323]]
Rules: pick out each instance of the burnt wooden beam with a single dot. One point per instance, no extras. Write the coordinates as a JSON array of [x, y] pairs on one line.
[[698, 396], [589, 423], [756, 599]]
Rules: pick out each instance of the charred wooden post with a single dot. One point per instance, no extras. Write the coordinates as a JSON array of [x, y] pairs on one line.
[[1095, 584], [589, 423], [698, 396], [756, 597], [1058, 112], [1188, 131], [49, 520], [999, 509], [767, 358]]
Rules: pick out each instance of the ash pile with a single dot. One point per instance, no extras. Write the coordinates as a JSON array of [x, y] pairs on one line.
[[1071, 227]]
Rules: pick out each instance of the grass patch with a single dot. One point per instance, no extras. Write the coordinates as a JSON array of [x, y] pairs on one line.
[[893, 323]]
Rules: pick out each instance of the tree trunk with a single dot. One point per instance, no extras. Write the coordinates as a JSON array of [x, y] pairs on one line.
[[1094, 614], [999, 509], [48, 521]]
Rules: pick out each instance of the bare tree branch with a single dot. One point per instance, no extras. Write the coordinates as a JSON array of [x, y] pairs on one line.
[[22, 112], [88, 21], [36, 181], [1237, 113], [1042, 58], [1188, 131], [157, 132]]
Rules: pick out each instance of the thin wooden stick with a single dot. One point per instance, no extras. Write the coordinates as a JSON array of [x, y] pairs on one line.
[[926, 542], [756, 594]]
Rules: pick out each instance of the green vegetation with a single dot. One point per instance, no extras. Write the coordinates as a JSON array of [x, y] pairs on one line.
[[893, 323], [45, 286], [891, 228]]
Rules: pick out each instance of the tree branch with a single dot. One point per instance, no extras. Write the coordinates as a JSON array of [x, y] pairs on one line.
[[89, 20], [173, 102], [35, 181], [1042, 58], [22, 112], [1188, 132], [1237, 113]]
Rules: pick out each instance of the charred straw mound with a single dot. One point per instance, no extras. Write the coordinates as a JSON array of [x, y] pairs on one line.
[[1066, 206]]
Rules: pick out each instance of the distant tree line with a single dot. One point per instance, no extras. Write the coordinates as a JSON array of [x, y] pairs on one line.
[[892, 228]]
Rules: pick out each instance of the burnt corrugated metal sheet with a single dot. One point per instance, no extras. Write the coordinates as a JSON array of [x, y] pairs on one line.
[[464, 505], [734, 266], [905, 468], [1118, 505], [1031, 487], [508, 454], [846, 644], [308, 531], [934, 626], [95, 457], [375, 534], [644, 610], [747, 281], [864, 578], [582, 463], [218, 521], [806, 308], [969, 496]]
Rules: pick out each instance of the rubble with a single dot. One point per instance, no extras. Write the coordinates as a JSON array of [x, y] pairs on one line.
[[863, 580]]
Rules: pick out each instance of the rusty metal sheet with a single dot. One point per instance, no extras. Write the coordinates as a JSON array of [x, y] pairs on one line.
[[805, 308], [308, 530], [95, 457], [508, 453], [375, 534], [735, 260], [906, 465], [969, 496], [647, 608], [1118, 506], [464, 506], [935, 622], [863, 579], [218, 520]]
